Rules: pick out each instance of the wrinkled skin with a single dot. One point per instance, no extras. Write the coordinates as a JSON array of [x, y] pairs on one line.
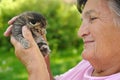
[[101, 38]]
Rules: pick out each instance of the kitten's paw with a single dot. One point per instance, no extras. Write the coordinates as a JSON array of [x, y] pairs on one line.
[[45, 49]]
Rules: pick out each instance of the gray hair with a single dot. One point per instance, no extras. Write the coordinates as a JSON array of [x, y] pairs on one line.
[[115, 7], [113, 4]]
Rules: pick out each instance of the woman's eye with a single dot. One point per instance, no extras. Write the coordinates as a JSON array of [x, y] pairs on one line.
[[93, 18]]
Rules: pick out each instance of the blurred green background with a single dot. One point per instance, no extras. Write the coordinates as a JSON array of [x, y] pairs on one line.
[[63, 23]]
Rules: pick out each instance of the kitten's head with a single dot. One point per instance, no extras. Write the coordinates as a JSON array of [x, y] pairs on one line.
[[35, 19]]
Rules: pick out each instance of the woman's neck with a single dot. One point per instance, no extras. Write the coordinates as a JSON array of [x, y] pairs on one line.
[[106, 71]]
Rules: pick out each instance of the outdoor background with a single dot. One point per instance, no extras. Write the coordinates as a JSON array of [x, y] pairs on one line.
[[63, 23]]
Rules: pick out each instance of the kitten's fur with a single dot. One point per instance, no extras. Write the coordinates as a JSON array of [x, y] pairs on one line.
[[37, 25]]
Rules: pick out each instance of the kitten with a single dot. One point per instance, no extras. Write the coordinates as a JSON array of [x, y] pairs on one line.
[[37, 25]]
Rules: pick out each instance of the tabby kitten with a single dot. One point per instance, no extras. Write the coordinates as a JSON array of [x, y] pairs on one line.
[[37, 25]]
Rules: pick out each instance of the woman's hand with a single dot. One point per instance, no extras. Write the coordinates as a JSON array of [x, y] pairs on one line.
[[31, 57], [20, 52], [27, 56]]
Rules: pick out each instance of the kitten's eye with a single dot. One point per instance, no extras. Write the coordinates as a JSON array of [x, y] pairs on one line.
[[32, 21]]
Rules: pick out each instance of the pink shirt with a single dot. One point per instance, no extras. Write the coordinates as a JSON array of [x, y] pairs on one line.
[[83, 71]]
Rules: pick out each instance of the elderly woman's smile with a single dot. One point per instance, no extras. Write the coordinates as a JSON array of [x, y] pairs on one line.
[[88, 42], [100, 36], [100, 31]]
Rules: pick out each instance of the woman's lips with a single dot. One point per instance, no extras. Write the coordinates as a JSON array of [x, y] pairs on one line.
[[88, 42]]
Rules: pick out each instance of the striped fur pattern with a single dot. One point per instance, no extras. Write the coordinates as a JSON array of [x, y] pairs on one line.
[[36, 23]]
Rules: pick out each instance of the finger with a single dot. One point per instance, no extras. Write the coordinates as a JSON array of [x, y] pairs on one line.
[[16, 44], [8, 31], [27, 34], [13, 41], [12, 20]]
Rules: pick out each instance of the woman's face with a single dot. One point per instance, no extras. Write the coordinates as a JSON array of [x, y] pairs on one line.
[[100, 35]]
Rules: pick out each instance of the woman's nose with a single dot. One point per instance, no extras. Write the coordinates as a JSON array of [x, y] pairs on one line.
[[83, 31]]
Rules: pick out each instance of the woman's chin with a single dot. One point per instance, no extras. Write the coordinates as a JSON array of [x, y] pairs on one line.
[[87, 54]]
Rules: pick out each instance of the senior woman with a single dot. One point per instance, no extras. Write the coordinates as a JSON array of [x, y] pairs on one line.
[[100, 31]]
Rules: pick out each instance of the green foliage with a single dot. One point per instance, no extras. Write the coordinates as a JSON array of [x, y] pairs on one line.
[[63, 23]]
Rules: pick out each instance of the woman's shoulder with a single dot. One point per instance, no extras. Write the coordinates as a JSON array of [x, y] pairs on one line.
[[75, 72]]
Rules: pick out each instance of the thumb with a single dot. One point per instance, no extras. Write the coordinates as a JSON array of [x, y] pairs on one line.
[[27, 34], [14, 41]]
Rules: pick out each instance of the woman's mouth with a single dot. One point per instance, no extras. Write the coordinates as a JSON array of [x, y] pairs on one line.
[[88, 42]]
